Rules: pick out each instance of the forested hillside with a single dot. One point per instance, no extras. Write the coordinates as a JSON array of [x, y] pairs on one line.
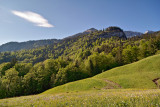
[[36, 70], [67, 47]]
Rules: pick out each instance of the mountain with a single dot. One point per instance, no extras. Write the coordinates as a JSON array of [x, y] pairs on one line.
[[148, 32], [108, 32], [64, 47], [83, 33], [113, 31], [14, 46], [130, 34], [67, 47], [90, 30]]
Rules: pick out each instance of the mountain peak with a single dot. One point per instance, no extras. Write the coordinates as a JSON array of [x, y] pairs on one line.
[[114, 29], [90, 30]]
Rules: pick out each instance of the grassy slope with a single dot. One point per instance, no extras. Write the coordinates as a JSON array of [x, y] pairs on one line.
[[81, 85], [136, 75], [89, 92]]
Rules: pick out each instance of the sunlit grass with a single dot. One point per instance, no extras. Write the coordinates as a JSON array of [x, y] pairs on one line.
[[81, 85], [136, 75], [101, 98]]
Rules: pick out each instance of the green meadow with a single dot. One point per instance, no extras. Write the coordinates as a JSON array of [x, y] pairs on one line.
[[96, 98], [131, 85]]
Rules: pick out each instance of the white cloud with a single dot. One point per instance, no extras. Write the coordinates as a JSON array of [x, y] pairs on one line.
[[35, 18]]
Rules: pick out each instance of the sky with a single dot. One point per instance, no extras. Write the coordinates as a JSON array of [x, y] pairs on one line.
[[23, 20]]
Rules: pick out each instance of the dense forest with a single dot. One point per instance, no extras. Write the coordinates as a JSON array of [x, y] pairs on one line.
[[33, 71]]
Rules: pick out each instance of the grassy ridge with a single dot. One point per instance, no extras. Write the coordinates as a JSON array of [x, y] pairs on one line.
[[81, 85], [136, 75]]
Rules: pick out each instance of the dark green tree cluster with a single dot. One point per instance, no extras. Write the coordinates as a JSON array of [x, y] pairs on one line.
[[24, 78]]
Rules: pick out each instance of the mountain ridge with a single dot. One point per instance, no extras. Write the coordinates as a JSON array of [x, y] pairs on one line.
[[15, 46]]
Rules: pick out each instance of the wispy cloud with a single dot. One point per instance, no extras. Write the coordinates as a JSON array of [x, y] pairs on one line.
[[35, 18]]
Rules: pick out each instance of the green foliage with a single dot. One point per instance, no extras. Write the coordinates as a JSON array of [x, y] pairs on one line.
[[130, 54], [85, 54], [23, 68], [4, 67], [11, 83], [69, 74], [98, 63], [29, 83]]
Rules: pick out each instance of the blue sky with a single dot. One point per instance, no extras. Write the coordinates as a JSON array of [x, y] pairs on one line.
[[23, 20]]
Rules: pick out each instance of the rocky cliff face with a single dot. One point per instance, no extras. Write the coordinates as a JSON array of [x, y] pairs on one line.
[[114, 29], [114, 32]]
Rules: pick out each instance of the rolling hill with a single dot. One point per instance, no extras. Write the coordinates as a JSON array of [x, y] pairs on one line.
[[138, 75]]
